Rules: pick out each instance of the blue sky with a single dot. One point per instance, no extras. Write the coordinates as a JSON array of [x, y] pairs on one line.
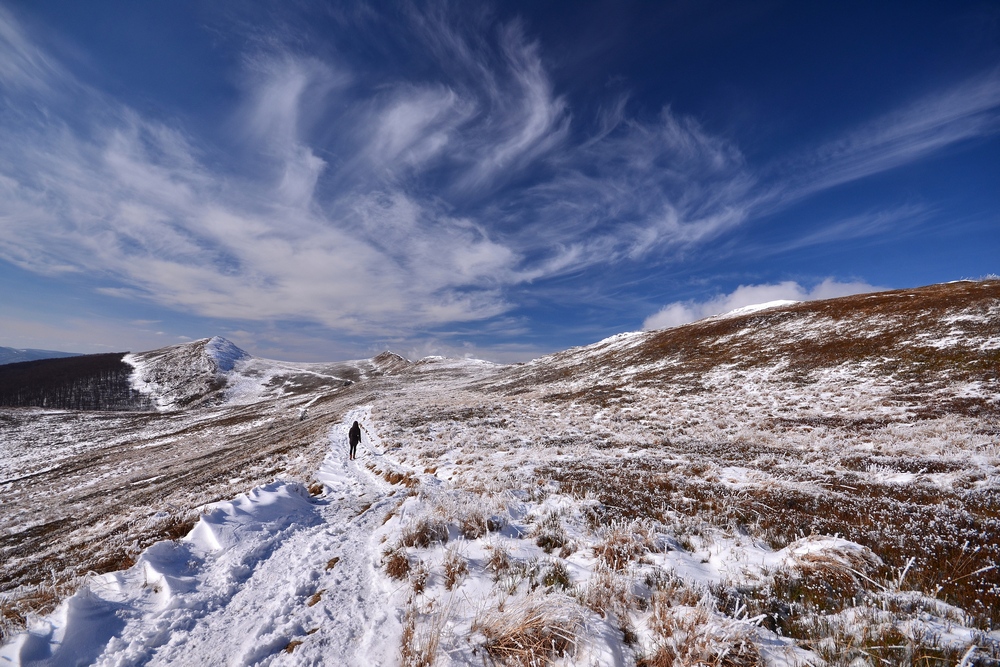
[[322, 180]]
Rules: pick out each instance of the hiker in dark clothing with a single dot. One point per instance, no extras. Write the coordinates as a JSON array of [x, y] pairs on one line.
[[354, 435]]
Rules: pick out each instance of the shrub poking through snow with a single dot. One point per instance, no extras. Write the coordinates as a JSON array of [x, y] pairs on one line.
[[418, 578], [868, 636], [496, 523], [499, 561], [698, 636], [473, 524], [396, 563], [555, 575], [550, 534], [456, 568], [619, 548], [531, 631], [518, 572], [425, 532], [607, 594], [417, 648]]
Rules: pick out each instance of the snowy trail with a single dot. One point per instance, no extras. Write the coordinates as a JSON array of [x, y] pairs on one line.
[[275, 577]]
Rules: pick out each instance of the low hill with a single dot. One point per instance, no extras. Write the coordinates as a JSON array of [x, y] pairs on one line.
[[11, 355]]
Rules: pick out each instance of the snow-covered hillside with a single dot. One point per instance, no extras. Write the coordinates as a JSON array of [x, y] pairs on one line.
[[186, 375], [812, 483]]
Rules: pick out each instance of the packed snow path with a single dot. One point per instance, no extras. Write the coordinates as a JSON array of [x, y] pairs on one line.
[[275, 577]]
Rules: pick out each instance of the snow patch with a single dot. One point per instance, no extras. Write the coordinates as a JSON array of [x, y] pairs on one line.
[[224, 353], [757, 307]]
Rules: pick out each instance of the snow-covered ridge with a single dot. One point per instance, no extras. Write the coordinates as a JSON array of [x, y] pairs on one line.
[[188, 374], [757, 307], [878, 336]]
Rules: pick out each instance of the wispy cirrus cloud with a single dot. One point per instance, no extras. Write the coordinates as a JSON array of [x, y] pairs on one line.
[[24, 65], [927, 125], [376, 203], [132, 203]]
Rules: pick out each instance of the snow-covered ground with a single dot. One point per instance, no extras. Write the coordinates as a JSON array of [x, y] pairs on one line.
[[755, 489], [256, 577]]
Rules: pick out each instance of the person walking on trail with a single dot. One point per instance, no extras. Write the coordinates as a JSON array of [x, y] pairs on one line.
[[354, 435]]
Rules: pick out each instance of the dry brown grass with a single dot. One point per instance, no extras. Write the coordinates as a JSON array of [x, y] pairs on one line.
[[691, 636], [877, 639], [902, 317], [419, 575], [619, 548], [179, 526], [396, 563], [554, 575], [607, 593], [418, 648], [407, 479], [947, 533], [425, 532], [456, 568], [499, 561], [550, 534], [531, 632], [473, 524]]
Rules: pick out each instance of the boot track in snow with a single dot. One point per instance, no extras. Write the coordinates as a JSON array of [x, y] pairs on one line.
[[273, 577]]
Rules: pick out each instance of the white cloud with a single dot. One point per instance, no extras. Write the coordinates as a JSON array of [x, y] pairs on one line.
[[380, 206], [133, 202], [683, 312], [943, 118], [23, 65], [285, 95], [416, 126], [130, 201]]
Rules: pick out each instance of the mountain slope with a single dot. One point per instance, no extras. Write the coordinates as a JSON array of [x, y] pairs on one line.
[[903, 354], [813, 483], [185, 375]]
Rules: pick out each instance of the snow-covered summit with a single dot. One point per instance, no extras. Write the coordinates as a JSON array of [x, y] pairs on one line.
[[224, 353], [390, 362], [188, 374]]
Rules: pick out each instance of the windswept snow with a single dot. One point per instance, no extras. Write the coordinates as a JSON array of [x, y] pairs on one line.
[[224, 353], [757, 307]]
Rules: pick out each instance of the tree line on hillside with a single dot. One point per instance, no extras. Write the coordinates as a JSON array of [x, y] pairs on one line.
[[89, 382]]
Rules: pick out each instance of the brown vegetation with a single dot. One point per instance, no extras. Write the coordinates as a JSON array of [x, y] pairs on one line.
[[529, 633]]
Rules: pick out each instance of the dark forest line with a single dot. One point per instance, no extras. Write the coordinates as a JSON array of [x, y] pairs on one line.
[[88, 382]]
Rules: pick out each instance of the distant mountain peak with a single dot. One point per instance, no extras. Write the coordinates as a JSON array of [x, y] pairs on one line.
[[388, 362], [390, 356], [224, 353], [13, 355]]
